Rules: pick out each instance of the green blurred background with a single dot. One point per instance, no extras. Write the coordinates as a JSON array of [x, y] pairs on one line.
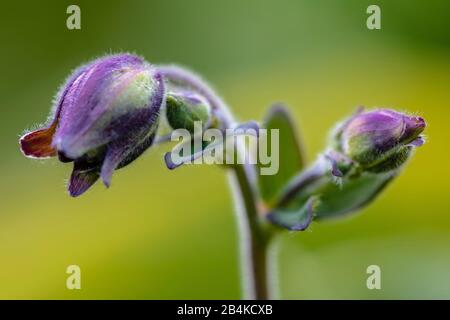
[[171, 234]]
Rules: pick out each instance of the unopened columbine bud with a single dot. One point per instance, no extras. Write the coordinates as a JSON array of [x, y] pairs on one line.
[[105, 116], [366, 154], [376, 140], [183, 109]]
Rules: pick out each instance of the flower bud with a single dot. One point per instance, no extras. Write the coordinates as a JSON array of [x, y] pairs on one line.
[[378, 140], [183, 109], [366, 154], [105, 116]]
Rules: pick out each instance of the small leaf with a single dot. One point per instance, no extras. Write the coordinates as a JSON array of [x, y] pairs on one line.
[[337, 197], [246, 128], [295, 219], [192, 156], [291, 157]]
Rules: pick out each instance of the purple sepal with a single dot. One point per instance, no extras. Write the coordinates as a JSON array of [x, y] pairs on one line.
[[417, 142], [88, 103], [137, 131], [84, 175]]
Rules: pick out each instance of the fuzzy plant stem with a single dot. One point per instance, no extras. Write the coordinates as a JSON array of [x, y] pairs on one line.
[[254, 239]]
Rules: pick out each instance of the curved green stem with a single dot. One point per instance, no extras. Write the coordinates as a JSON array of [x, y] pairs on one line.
[[254, 239]]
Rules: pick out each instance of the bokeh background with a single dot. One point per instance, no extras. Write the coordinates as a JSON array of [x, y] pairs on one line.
[[171, 234]]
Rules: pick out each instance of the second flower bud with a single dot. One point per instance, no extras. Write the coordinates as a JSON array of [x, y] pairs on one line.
[[184, 108]]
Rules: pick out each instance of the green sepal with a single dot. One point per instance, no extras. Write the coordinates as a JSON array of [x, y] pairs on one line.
[[353, 194], [184, 109], [295, 218]]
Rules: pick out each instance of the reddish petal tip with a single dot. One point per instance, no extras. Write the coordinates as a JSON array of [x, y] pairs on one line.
[[38, 144]]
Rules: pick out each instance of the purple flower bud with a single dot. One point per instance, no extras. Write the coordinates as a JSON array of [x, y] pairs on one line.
[[380, 137], [366, 154], [105, 116]]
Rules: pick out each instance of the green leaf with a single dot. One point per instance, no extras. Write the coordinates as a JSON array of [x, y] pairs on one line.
[[352, 195], [342, 196], [295, 219], [291, 158]]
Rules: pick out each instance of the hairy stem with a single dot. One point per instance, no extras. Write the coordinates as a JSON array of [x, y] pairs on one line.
[[192, 80], [254, 240]]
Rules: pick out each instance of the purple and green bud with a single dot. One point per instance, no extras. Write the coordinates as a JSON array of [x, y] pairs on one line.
[[185, 108], [379, 140], [105, 116], [366, 154]]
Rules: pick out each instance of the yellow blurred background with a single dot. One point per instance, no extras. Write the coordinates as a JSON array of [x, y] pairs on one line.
[[171, 234]]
